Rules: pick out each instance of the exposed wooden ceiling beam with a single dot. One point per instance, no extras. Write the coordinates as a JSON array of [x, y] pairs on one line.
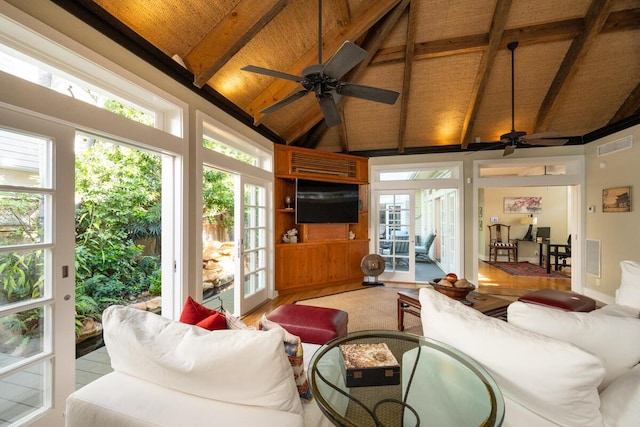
[[630, 106], [344, 12], [225, 39], [331, 41], [569, 29], [408, 68], [500, 15], [371, 45], [593, 23]]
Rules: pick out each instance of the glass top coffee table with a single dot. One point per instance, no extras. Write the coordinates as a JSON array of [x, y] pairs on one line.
[[437, 385]]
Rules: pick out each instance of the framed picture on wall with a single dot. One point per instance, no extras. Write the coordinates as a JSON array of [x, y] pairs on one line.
[[616, 199], [520, 205]]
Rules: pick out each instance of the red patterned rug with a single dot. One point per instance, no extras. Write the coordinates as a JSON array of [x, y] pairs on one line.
[[525, 268]]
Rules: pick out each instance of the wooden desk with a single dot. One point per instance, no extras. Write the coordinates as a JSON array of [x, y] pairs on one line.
[[540, 249], [552, 249], [408, 302]]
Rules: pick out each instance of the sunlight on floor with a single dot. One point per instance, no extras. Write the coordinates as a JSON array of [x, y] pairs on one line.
[[484, 281]]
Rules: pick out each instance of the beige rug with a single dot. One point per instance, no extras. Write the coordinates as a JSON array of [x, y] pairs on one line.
[[369, 308]]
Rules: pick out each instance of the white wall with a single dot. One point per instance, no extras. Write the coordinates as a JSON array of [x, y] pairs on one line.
[[619, 233]]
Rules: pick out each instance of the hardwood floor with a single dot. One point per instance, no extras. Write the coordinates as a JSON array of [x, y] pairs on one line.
[[491, 281]]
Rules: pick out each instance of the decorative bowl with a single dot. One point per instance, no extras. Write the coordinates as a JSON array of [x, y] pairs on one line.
[[451, 291]]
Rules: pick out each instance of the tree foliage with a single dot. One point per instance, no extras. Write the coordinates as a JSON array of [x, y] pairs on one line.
[[119, 191]]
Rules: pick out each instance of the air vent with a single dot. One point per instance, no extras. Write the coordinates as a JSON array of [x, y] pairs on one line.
[[321, 165], [615, 146], [593, 257]]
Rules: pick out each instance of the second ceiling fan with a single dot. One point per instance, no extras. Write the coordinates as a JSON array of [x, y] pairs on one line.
[[323, 80], [516, 138]]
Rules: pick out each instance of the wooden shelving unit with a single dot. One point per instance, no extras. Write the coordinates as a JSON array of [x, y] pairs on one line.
[[324, 253]]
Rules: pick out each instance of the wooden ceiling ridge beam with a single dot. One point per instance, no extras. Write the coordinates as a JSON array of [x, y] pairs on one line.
[[412, 28], [344, 12], [498, 23], [280, 88], [313, 115], [568, 29], [232, 33], [594, 21]]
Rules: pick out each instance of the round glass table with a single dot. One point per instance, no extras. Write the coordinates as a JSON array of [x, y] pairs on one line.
[[424, 382]]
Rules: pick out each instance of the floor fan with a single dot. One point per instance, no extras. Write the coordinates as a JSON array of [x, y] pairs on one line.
[[372, 266]]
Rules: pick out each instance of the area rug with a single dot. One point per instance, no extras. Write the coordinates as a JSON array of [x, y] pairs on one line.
[[525, 268], [369, 308]]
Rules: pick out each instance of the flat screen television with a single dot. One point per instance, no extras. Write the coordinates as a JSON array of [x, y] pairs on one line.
[[319, 202]]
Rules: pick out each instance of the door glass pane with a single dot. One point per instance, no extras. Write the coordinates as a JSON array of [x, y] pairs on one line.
[[21, 276], [23, 392], [21, 218], [22, 336], [23, 160], [395, 222]]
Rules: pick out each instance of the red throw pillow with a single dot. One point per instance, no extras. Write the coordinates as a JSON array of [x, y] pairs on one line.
[[197, 314], [214, 322]]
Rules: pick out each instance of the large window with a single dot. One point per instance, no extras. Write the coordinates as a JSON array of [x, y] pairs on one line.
[[31, 57]]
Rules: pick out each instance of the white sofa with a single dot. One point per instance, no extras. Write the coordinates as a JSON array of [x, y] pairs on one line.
[[168, 373], [554, 368]]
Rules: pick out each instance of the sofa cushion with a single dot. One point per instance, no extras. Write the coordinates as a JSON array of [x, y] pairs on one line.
[[620, 402], [234, 322], [194, 313], [617, 310], [629, 292], [556, 380], [295, 354], [246, 367], [615, 340], [118, 399]]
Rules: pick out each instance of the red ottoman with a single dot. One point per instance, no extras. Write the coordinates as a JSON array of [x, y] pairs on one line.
[[567, 301], [315, 325]]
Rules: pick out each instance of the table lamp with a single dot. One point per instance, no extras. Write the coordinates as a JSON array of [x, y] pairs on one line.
[[531, 221]]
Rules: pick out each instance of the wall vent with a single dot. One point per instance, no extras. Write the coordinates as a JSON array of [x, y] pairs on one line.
[[310, 164], [615, 146], [593, 257]]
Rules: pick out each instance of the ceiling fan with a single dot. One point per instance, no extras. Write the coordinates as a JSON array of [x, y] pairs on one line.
[[323, 80], [516, 138]]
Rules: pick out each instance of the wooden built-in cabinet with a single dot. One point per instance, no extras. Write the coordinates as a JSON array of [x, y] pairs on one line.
[[324, 254]]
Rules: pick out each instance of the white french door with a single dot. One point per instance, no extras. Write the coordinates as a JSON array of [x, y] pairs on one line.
[[396, 241], [251, 222], [37, 348]]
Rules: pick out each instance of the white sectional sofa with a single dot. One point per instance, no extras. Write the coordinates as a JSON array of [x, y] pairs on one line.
[[168, 373], [554, 368]]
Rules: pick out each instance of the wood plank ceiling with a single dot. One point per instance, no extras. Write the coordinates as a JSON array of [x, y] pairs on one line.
[[577, 66]]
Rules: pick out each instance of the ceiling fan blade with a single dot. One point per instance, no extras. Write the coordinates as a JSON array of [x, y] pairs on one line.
[[272, 73], [284, 101], [546, 142], [329, 109], [348, 56], [509, 149], [368, 92]]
